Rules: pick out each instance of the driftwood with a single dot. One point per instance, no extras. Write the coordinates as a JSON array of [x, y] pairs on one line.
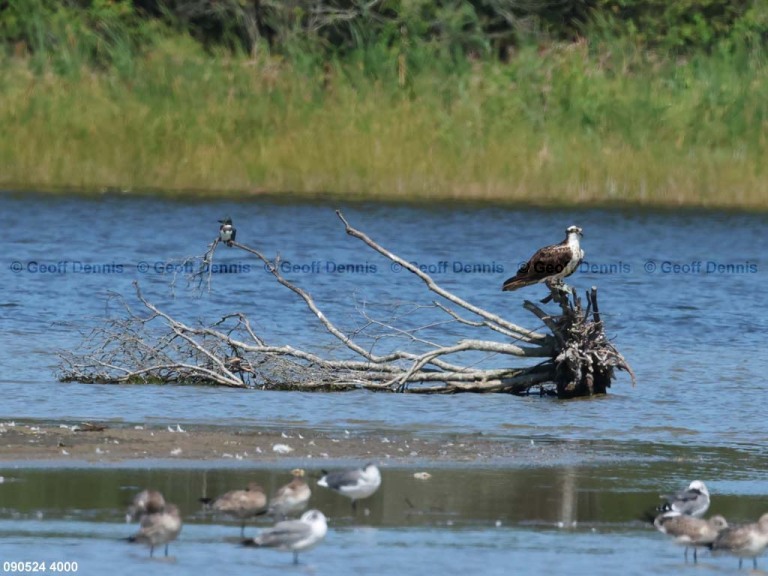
[[574, 359]]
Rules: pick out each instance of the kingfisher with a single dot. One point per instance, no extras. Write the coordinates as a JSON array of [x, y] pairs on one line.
[[227, 232]]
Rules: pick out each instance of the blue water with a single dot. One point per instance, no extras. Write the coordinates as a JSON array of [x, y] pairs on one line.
[[695, 340], [497, 520], [357, 550], [682, 295]]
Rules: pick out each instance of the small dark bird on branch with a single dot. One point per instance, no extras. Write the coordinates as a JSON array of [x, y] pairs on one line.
[[227, 232]]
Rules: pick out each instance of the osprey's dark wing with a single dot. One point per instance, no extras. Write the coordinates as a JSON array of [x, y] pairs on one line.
[[545, 263]]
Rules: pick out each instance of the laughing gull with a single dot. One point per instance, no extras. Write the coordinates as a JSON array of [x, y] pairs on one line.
[[291, 498], [694, 501], [690, 531], [160, 524], [242, 504], [355, 484], [293, 535], [744, 541]]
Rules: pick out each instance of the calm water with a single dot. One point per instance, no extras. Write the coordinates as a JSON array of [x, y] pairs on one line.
[[682, 296], [494, 519]]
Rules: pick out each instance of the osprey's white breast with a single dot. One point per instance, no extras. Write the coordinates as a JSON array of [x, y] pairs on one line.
[[577, 255]]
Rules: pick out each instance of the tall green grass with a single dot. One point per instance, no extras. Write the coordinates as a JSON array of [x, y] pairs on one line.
[[574, 124]]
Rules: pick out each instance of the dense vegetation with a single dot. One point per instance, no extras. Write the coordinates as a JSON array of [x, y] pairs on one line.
[[522, 100]]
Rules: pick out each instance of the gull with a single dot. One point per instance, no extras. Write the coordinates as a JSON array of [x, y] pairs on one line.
[[143, 502], [356, 484], [160, 521], [744, 541], [291, 498], [694, 501], [293, 535], [242, 504], [690, 531]]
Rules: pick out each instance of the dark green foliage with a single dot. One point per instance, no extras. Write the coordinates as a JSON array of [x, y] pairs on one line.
[[73, 33], [683, 25]]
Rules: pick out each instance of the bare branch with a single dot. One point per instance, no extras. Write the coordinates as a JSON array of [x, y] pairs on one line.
[[577, 357], [513, 330]]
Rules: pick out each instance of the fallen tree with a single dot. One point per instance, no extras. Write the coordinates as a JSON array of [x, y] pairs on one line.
[[574, 359]]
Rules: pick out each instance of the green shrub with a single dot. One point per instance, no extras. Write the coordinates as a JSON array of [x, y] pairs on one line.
[[680, 25], [71, 35]]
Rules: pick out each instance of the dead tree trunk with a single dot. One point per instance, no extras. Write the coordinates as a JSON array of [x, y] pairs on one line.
[[575, 359], [584, 359]]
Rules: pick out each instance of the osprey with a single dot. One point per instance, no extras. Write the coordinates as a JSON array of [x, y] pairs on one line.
[[550, 264], [227, 232]]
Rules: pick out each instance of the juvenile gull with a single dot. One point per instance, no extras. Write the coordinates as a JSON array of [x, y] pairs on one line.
[[142, 502], [688, 530], [242, 504], [160, 523], [293, 535], [291, 498], [744, 541], [694, 501], [355, 484]]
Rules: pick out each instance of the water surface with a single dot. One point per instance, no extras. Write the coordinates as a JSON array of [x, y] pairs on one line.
[[502, 518], [682, 296]]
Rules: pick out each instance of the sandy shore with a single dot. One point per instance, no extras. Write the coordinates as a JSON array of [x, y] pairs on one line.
[[110, 444]]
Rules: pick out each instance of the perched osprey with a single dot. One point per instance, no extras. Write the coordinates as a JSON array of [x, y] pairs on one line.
[[550, 264], [227, 232]]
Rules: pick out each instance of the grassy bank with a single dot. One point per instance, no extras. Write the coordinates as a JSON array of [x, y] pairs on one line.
[[576, 124]]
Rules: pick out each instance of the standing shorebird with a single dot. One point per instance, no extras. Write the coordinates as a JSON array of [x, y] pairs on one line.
[[690, 531], [160, 521], [291, 498], [550, 264], [227, 232], [242, 504], [745, 541], [293, 535], [143, 501], [355, 484], [693, 501]]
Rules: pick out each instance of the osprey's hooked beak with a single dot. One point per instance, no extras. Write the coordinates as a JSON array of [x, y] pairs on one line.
[[575, 230]]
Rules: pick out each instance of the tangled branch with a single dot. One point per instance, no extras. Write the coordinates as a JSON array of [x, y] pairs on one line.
[[576, 358]]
